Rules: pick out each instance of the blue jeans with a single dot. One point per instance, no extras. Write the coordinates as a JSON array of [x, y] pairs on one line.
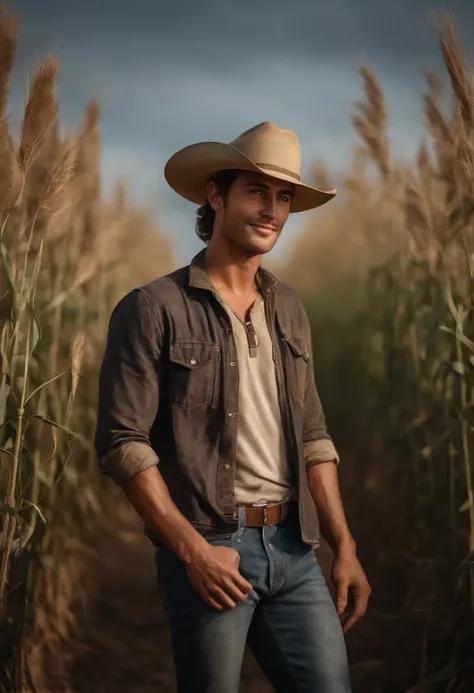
[[289, 619]]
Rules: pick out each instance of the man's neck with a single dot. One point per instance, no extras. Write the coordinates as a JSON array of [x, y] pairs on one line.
[[232, 272]]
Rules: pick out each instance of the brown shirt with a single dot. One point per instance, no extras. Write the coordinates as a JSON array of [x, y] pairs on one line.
[[169, 394]]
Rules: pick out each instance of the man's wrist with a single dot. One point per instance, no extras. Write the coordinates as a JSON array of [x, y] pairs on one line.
[[344, 545], [340, 543], [192, 549]]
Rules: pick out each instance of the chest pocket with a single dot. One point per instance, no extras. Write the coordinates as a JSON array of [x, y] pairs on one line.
[[298, 360], [192, 373]]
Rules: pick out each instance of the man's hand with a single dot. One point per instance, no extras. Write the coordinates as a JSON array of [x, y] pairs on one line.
[[214, 574], [352, 588], [212, 570]]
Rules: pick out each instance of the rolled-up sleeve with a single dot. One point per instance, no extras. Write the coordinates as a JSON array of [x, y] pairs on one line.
[[129, 388], [318, 445]]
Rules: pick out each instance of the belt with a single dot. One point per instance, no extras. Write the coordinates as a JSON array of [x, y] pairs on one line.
[[266, 515]]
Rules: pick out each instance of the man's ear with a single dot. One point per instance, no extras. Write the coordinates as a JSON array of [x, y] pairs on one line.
[[213, 196]]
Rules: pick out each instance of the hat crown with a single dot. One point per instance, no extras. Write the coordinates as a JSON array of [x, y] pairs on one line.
[[264, 148], [270, 146]]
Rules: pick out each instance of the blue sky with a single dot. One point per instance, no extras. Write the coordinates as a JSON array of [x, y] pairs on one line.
[[171, 73]]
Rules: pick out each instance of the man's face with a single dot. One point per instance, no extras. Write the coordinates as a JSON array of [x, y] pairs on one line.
[[254, 213]]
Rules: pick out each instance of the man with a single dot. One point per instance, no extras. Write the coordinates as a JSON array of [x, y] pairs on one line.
[[210, 420]]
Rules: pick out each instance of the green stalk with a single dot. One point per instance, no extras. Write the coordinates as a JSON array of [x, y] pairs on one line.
[[27, 531], [57, 324], [452, 497], [12, 485], [466, 453]]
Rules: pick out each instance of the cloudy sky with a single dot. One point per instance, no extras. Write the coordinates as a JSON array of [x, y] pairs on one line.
[[175, 72]]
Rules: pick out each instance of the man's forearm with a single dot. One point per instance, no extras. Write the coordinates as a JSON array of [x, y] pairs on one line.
[[149, 495], [324, 487]]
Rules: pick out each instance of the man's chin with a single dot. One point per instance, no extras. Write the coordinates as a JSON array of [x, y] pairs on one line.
[[260, 248], [255, 246]]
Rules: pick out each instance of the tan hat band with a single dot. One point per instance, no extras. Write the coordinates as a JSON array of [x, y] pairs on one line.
[[278, 169]]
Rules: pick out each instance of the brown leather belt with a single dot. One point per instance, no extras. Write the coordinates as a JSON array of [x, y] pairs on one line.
[[266, 515]]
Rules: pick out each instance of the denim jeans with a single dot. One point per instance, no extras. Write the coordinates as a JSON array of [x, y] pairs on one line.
[[288, 620]]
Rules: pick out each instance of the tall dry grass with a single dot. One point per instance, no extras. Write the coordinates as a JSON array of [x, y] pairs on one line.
[[62, 250], [389, 280]]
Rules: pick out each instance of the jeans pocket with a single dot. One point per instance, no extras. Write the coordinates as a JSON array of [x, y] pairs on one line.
[[216, 539], [222, 538]]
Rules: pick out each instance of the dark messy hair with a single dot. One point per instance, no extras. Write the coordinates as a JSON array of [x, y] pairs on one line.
[[205, 214]]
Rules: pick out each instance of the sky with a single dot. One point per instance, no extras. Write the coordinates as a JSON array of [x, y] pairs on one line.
[[168, 74]]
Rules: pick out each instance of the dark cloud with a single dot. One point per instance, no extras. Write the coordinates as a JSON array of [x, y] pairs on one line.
[[217, 33], [169, 73]]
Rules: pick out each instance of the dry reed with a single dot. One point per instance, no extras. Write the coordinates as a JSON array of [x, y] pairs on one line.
[[59, 241], [388, 283], [394, 360]]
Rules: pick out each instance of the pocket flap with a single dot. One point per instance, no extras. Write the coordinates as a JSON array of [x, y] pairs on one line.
[[193, 354], [297, 346]]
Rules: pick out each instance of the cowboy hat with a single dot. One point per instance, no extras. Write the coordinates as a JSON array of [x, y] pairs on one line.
[[264, 148]]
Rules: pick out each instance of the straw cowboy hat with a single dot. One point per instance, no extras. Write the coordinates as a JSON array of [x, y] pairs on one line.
[[265, 148]]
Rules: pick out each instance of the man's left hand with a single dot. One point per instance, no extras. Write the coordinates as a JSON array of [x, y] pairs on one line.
[[352, 587]]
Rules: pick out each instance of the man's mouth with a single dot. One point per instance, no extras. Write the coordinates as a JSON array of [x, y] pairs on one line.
[[265, 229]]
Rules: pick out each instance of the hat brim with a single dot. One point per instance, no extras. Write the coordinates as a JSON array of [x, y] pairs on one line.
[[188, 171]]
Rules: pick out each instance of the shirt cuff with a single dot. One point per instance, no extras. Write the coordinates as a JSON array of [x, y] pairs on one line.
[[322, 450], [127, 461]]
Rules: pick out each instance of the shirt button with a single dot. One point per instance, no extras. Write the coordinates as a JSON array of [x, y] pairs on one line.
[[227, 466], [193, 362], [232, 363]]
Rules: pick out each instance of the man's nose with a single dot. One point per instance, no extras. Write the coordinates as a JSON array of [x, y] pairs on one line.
[[269, 207]]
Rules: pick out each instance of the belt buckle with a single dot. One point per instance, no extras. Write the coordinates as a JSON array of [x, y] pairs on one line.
[[265, 515]]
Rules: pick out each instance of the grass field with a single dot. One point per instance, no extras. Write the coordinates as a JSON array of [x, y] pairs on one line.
[[388, 281], [67, 254]]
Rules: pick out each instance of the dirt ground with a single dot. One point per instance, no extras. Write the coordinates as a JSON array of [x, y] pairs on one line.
[[124, 644]]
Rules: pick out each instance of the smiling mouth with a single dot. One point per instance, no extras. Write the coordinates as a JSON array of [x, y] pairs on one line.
[[263, 228]]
